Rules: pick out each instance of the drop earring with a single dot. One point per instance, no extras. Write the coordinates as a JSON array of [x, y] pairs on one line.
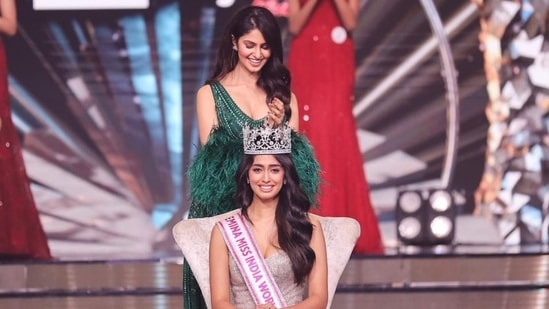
[[235, 48], [247, 180], [284, 181]]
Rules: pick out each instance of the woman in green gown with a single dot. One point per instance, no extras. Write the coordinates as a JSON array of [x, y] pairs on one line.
[[250, 85]]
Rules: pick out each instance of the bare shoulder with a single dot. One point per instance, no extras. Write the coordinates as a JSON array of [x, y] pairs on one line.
[[215, 231], [204, 93], [216, 237], [314, 219], [205, 107]]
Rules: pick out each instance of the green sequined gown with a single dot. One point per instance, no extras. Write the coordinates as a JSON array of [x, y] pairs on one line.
[[212, 171]]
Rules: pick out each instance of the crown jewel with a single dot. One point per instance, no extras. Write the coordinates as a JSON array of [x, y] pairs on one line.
[[267, 140]]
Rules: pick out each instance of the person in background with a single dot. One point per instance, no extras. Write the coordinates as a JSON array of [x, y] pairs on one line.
[[322, 61], [21, 232], [250, 86]]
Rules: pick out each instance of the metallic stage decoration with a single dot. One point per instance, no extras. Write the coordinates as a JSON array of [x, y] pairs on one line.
[[514, 189]]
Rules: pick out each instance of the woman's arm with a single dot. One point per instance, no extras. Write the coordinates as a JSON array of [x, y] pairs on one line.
[[205, 112], [294, 121], [298, 15], [348, 12], [318, 278], [8, 17], [219, 272]]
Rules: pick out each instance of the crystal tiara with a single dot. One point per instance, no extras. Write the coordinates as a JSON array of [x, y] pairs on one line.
[[267, 140]]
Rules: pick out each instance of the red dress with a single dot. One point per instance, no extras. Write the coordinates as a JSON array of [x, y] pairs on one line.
[[322, 63], [21, 233]]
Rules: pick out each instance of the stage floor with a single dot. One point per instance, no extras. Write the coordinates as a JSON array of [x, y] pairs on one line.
[[458, 278]]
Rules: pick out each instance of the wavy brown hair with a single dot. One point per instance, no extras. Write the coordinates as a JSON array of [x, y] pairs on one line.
[[274, 78], [294, 228]]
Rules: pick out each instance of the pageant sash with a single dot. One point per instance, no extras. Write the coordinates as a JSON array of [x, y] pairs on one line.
[[252, 265]]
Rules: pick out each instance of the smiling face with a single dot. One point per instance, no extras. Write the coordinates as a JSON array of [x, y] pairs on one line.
[[266, 176], [253, 51]]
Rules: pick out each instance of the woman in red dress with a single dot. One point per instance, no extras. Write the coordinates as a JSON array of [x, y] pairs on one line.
[[21, 233], [322, 62]]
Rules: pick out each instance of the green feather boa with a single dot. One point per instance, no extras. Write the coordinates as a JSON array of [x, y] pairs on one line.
[[211, 174]]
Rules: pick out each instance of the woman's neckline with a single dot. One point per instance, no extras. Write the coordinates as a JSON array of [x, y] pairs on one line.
[[222, 87]]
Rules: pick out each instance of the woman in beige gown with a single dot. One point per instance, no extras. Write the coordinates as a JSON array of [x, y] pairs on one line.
[[275, 211]]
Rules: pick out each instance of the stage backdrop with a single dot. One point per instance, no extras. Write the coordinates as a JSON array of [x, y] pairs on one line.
[[104, 100]]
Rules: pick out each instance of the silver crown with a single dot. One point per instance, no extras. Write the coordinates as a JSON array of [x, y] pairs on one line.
[[267, 140]]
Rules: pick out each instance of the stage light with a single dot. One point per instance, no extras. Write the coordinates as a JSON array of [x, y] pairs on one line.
[[409, 228], [410, 201], [409, 217], [440, 200], [425, 217], [224, 3], [441, 226]]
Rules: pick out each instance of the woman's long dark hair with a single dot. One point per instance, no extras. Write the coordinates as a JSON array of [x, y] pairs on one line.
[[294, 228], [274, 78]]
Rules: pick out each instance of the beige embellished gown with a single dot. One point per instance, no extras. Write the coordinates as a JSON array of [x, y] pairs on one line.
[[281, 269]]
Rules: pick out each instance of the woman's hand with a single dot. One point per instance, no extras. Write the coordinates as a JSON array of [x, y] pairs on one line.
[[276, 113], [298, 15]]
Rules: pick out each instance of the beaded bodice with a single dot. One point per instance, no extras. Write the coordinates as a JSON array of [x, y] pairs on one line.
[[281, 268], [229, 115]]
